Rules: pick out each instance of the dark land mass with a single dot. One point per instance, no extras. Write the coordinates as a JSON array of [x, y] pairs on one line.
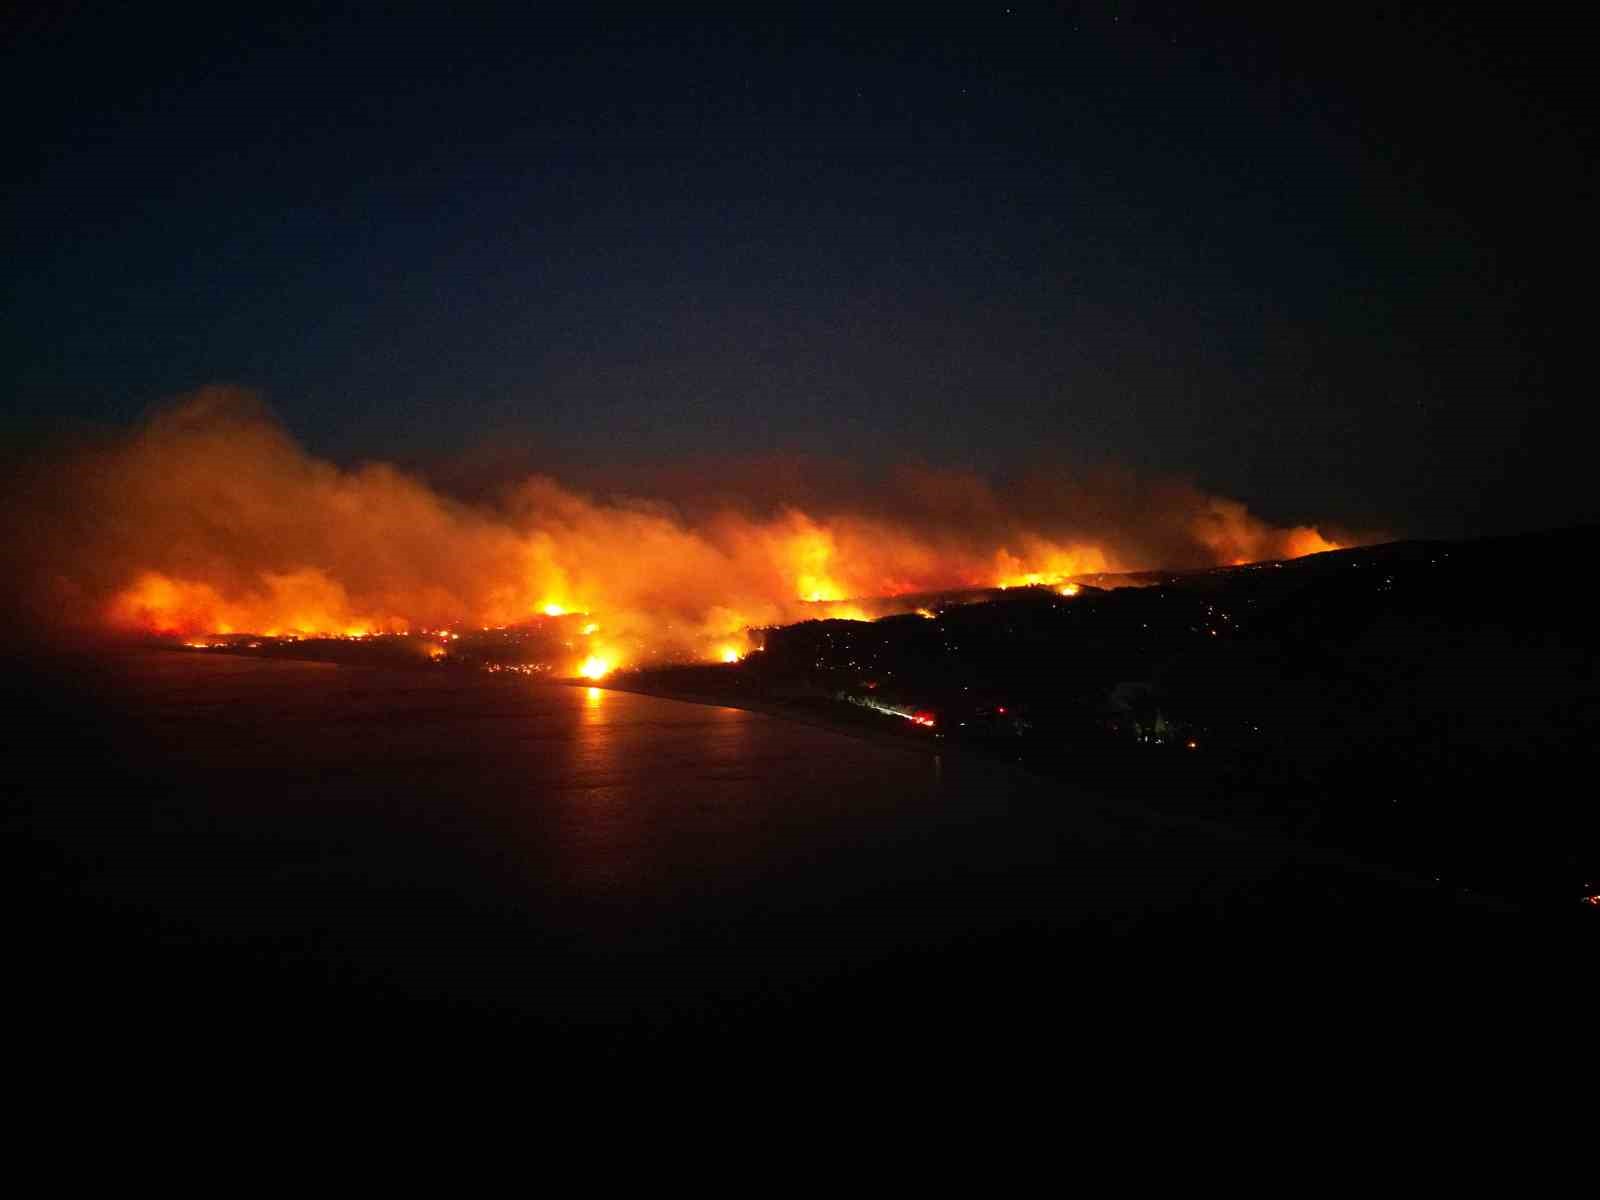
[[1387, 818], [1432, 705]]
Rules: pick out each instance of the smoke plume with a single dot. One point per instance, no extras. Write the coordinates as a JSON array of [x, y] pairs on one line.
[[209, 518]]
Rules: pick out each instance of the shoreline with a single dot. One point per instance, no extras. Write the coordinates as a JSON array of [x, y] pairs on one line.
[[932, 744], [1306, 851], [1116, 801]]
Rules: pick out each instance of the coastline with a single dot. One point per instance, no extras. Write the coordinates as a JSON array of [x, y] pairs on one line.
[[883, 735], [1109, 796], [1306, 852]]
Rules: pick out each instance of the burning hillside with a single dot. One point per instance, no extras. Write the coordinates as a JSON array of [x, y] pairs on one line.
[[210, 520]]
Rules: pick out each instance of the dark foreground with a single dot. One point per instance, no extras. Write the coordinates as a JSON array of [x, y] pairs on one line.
[[213, 850]]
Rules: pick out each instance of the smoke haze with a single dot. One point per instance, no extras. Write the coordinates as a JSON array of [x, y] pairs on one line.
[[210, 518]]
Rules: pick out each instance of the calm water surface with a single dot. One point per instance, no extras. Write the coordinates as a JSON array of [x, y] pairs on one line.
[[215, 826]]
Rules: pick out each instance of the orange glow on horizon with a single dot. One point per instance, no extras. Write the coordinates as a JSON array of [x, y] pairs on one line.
[[209, 520]]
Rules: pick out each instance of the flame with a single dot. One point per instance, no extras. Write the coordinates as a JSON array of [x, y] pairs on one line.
[[209, 520], [1068, 589], [809, 553], [1306, 540], [1058, 564], [596, 666], [845, 612]]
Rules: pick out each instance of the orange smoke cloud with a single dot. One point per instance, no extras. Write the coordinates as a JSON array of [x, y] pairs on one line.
[[209, 518]]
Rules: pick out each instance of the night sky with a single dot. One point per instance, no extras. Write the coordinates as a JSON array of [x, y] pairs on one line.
[[1332, 265]]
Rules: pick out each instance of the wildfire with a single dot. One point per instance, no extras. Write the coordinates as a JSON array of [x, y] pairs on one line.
[[596, 666], [845, 612], [209, 520], [1068, 589]]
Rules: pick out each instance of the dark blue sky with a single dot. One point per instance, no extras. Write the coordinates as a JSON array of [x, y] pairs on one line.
[[1329, 264]]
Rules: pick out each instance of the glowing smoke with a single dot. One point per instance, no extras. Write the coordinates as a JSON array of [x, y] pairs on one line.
[[209, 518]]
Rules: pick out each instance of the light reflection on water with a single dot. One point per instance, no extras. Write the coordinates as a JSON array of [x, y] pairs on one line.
[[585, 792], [371, 801], [658, 795]]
